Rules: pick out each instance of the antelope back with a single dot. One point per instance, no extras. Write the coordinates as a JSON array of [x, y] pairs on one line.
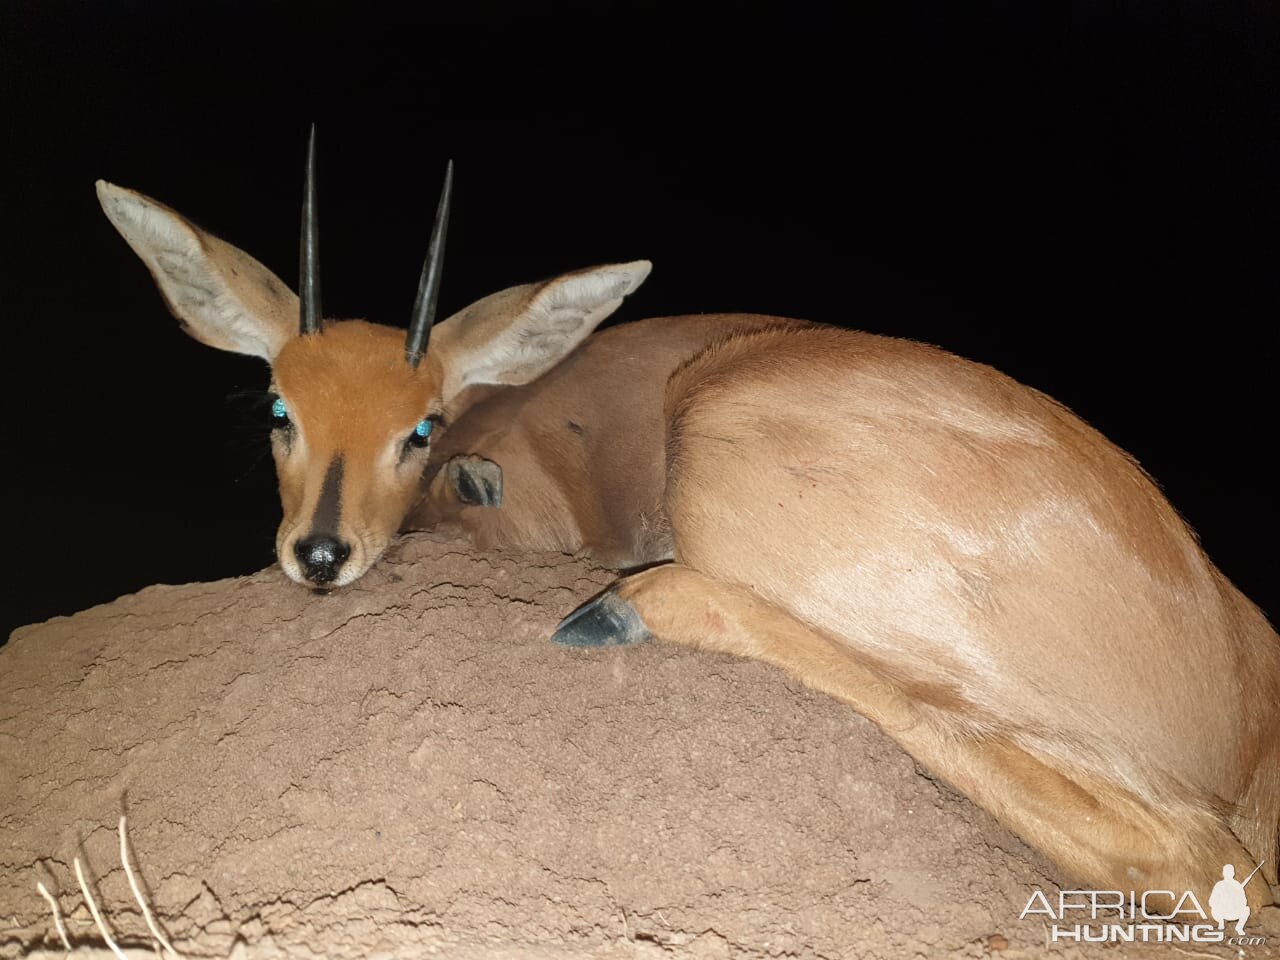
[[995, 560]]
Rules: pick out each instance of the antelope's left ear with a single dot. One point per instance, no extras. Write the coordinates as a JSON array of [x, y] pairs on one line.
[[222, 296], [515, 336]]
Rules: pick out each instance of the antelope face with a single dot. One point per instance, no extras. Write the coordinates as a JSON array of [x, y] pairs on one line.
[[355, 406], [352, 425]]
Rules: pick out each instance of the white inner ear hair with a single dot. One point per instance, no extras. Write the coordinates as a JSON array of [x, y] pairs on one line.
[[180, 264]]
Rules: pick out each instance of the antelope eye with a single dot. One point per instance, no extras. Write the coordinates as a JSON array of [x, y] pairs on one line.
[[279, 412], [421, 435]]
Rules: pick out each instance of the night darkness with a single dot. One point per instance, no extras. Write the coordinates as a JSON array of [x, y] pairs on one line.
[[1086, 200]]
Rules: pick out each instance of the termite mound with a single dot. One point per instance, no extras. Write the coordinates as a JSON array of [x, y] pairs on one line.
[[408, 764]]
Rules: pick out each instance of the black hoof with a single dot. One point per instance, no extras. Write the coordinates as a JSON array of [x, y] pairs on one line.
[[476, 481], [605, 621]]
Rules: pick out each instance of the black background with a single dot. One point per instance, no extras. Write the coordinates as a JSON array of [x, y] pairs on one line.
[[1085, 197]]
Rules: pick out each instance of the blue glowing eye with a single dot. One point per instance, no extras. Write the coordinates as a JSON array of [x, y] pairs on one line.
[[279, 410], [421, 435]]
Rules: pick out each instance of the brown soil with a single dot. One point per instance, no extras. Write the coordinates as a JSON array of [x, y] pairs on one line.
[[409, 767]]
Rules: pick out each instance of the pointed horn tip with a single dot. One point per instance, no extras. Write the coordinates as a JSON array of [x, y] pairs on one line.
[[418, 337]]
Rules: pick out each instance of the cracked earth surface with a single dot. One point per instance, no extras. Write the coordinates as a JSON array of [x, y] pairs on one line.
[[408, 767]]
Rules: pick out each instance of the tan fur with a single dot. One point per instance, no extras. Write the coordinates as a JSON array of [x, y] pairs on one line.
[[581, 449], [980, 572], [351, 394]]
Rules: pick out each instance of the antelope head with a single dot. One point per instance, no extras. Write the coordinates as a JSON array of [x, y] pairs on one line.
[[354, 406]]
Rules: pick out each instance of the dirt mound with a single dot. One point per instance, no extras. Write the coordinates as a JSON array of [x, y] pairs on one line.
[[408, 766]]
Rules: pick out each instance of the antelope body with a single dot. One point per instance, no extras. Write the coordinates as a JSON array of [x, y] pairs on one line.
[[955, 555], [974, 568]]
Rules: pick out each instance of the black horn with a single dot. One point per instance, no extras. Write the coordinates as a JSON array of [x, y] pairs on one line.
[[309, 249], [424, 306]]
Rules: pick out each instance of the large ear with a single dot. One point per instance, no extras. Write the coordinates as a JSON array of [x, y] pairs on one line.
[[515, 336], [223, 296]]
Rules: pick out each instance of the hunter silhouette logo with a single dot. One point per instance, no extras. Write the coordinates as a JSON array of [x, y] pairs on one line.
[[1116, 916], [1228, 902]]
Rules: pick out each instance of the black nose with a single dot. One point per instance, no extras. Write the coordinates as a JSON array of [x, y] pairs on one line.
[[321, 556]]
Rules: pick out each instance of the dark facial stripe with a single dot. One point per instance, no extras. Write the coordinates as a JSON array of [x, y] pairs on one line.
[[329, 507]]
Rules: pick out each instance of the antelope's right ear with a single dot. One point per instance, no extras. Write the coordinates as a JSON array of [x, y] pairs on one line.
[[222, 296], [516, 335]]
